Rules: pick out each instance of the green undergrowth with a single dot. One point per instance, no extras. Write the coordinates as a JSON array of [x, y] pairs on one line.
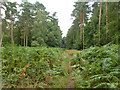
[[45, 67], [97, 67], [32, 67]]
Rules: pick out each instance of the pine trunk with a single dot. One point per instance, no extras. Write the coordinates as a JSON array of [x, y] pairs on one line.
[[26, 39], [76, 33], [21, 41], [106, 23], [81, 27], [12, 31], [0, 46], [83, 33], [100, 23], [0, 25]]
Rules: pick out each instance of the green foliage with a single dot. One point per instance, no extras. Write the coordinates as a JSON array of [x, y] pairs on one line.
[[54, 33], [40, 67], [35, 43], [39, 63], [33, 27], [40, 28], [97, 67], [91, 27]]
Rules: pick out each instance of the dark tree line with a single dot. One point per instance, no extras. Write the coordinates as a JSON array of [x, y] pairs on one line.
[[28, 24], [102, 28]]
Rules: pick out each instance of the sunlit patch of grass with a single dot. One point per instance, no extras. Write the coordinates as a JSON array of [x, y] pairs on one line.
[[61, 82]]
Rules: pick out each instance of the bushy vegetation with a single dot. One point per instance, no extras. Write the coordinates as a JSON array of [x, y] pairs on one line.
[[97, 67], [43, 67], [30, 66]]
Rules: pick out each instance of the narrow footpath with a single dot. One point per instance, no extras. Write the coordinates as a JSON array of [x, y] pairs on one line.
[[70, 83]]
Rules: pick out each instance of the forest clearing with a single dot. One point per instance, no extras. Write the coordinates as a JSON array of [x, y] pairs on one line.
[[35, 54]]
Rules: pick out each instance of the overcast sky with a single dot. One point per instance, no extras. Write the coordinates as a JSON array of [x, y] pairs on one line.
[[63, 8]]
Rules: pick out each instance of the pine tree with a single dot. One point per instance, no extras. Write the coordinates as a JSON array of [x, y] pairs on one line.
[[0, 25], [100, 23], [106, 23]]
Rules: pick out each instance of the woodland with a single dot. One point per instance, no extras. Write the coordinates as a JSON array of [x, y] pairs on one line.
[[35, 55]]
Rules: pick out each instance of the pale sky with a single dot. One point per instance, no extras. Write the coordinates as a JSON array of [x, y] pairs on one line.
[[63, 8]]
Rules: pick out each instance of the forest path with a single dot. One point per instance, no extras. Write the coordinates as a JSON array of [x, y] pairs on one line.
[[68, 54]]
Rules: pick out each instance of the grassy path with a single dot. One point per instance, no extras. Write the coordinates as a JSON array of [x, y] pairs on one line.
[[68, 54]]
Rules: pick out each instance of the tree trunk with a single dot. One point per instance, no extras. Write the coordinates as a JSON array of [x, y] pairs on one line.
[[26, 39], [21, 41], [12, 31], [0, 25], [0, 45], [106, 23], [77, 33], [83, 33], [100, 22], [81, 27]]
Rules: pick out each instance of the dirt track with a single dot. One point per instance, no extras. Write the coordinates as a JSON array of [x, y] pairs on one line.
[[70, 83]]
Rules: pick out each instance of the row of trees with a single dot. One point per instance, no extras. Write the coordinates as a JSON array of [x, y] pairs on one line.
[[102, 28], [30, 24], [0, 25]]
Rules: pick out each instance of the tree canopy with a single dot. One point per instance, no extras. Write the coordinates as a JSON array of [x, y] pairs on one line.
[[30, 25], [100, 29]]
